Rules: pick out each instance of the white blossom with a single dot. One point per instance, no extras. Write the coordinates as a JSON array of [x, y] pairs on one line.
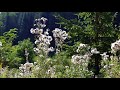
[[105, 56], [60, 36], [94, 51], [46, 33], [81, 46], [36, 50], [37, 42], [32, 31], [44, 19], [76, 59], [51, 49], [42, 25], [35, 63], [115, 46]]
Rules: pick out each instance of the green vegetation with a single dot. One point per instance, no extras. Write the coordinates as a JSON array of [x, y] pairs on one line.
[[79, 46]]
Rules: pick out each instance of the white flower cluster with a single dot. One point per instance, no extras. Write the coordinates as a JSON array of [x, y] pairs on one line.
[[0, 44], [80, 59], [105, 56], [25, 68], [84, 54], [41, 23], [115, 46], [43, 39], [36, 31], [82, 48], [60, 36], [43, 43], [94, 51], [28, 69]]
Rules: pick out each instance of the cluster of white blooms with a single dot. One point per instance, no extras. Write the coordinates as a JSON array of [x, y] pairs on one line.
[[0, 44], [60, 36], [41, 22], [115, 46], [28, 69], [94, 51], [84, 54], [25, 68], [36, 31], [79, 59], [43, 43], [105, 56], [82, 48], [43, 39]]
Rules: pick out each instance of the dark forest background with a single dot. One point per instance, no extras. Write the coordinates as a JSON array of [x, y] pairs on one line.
[[24, 21]]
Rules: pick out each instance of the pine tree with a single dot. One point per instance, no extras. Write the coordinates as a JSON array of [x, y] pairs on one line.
[[94, 28]]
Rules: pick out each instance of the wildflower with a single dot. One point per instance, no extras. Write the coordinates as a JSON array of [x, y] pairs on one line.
[[94, 51], [44, 40], [49, 38], [66, 66], [36, 50], [28, 65], [46, 33], [115, 46], [32, 31], [60, 36], [57, 51], [51, 49], [59, 33], [21, 74], [76, 59], [34, 24], [36, 19], [105, 56], [37, 42], [44, 19], [40, 31], [82, 45], [42, 25], [87, 57], [35, 63]]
